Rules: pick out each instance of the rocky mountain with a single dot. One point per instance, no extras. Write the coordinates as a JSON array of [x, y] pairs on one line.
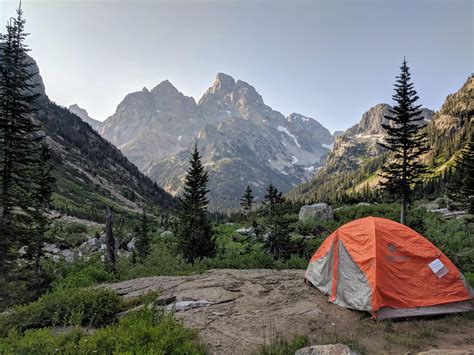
[[91, 173], [241, 139], [359, 143], [355, 159], [82, 113], [151, 125]]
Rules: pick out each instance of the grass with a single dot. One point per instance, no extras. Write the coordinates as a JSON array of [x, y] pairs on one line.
[[63, 307], [147, 331], [282, 346]]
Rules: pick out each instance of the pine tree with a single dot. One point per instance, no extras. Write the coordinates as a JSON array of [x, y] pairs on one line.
[[143, 237], [462, 186], [19, 143], [405, 140], [109, 242], [247, 200], [41, 195], [194, 229], [277, 234]]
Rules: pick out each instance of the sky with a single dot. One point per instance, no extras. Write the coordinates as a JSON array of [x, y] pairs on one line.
[[330, 60]]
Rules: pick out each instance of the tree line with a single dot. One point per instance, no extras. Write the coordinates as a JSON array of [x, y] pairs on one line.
[[25, 169]]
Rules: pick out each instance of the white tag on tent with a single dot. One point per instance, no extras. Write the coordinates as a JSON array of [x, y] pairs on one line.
[[438, 268]]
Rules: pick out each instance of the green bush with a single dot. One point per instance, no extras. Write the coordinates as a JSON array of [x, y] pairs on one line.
[[69, 306], [143, 332], [284, 346], [161, 261], [454, 238]]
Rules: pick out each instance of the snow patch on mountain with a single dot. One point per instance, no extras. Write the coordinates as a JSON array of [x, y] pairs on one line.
[[285, 130]]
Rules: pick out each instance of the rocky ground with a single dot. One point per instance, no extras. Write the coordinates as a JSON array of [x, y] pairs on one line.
[[236, 311]]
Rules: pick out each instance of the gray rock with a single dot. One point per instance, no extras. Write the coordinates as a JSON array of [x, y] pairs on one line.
[[330, 349], [318, 211], [246, 231], [448, 214], [187, 305], [69, 255], [167, 234], [131, 245], [51, 248], [90, 246]]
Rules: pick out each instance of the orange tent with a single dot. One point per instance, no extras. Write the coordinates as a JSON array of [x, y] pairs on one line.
[[386, 268]]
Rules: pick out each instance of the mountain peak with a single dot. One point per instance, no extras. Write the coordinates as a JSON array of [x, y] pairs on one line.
[[82, 113], [164, 86], [223, 83]]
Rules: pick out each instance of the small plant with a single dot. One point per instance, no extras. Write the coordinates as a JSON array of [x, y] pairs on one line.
[[283, 346], [63, 307]]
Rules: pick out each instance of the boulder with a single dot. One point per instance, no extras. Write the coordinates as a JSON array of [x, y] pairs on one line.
[[318, 211], [131, 245], [167, 234], [246, 231], [90, 246], [69, 255], [330, 349], [50, 248]]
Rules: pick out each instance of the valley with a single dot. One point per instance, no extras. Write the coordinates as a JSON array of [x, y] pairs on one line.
[[214, 223]]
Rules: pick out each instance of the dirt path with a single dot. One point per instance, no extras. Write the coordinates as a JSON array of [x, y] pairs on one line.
[[252, 307]]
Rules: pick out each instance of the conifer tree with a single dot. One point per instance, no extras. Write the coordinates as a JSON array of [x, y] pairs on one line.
[[405, 140], [41, 195], [19, 142], [247, 200], [194, 229], [277, 240], [143, 241]]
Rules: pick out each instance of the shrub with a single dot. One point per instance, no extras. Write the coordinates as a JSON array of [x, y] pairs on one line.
[[284, 346], [143, 332], [69, 306]]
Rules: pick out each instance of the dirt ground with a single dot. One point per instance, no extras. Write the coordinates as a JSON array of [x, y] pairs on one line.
[[249, 308]]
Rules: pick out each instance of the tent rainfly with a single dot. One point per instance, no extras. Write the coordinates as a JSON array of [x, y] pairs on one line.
[[386, 268]]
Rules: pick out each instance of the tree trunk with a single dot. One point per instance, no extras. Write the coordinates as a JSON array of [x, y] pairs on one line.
[[403, 209], [109, 242]]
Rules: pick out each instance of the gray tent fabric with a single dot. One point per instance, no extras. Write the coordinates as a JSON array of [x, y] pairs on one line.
[[320, 272], [352, 288], [454, 307]]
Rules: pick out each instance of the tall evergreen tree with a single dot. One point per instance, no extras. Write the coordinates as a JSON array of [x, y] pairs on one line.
[[247, 200], [41, 194], [194, 229], [277, 231], [143, 237], [405, 139], [19, 142]]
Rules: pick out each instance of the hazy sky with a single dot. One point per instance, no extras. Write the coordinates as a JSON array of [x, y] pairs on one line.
[[331, 60]]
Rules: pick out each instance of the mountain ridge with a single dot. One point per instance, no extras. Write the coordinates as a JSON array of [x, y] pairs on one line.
[[91, 174], [231, 124], [353, 164]]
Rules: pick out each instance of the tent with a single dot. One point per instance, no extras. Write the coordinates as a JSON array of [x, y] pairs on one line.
[[386, 268]]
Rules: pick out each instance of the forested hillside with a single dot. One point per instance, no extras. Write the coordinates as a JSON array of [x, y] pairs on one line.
[[447, 130], [90, 172]]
